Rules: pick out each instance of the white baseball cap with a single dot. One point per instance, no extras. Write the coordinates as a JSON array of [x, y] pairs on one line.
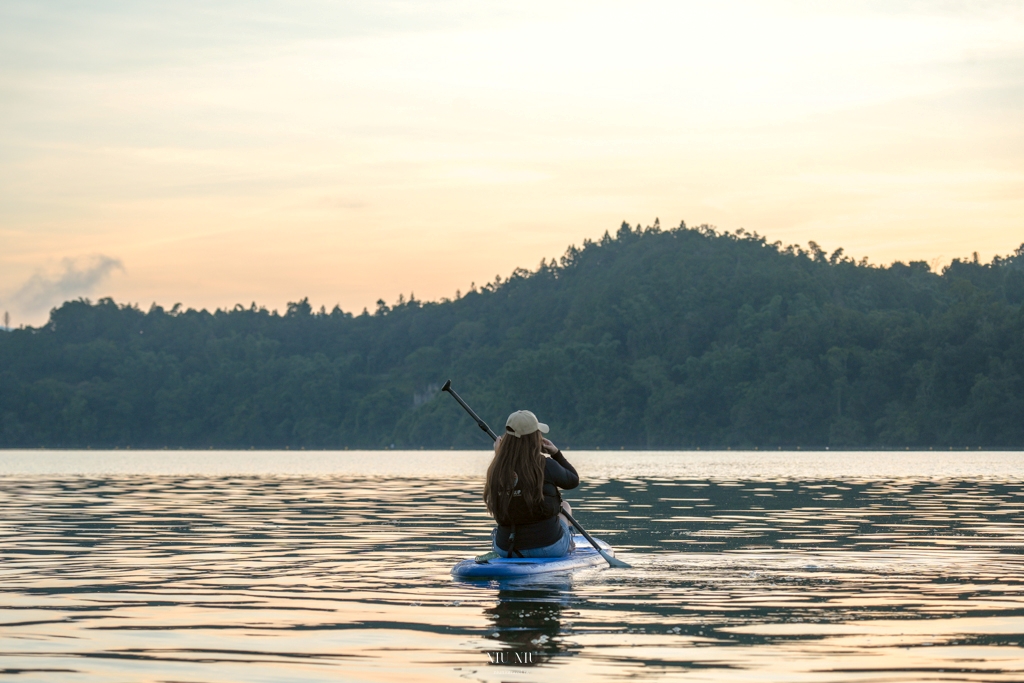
[[523, 422]]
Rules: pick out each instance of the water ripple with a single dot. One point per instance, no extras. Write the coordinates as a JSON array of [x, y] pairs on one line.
[[341, 577]]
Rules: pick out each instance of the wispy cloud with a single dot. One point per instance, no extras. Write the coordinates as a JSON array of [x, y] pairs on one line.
[[74, 278]]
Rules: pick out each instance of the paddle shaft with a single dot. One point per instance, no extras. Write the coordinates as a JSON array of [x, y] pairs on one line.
[[480, 423], [614, 562]]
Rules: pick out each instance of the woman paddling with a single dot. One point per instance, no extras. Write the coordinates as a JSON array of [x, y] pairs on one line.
[[522, 491]]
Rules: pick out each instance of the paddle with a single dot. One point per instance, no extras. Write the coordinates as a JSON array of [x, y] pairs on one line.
[[612, 561]]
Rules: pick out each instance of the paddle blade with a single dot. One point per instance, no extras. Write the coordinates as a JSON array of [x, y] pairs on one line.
[[614, 561]]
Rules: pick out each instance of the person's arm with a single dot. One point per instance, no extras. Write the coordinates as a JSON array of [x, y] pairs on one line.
[[557, 469]]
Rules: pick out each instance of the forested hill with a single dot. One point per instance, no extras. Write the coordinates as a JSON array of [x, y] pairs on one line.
[[651, 338]]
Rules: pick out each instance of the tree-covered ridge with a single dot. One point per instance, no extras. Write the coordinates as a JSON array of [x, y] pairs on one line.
[[651, 338]]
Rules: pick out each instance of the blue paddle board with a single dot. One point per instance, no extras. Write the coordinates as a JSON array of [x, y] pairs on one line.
[[512, 567]]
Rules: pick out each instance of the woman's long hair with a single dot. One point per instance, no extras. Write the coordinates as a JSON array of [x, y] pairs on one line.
[[517, 466]]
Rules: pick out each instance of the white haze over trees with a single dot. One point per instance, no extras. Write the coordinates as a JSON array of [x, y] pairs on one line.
[[72, 279]]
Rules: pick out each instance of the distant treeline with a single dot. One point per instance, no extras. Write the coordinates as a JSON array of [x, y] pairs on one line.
[[650, 338]]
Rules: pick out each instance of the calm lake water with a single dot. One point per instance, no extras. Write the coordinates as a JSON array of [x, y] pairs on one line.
[[334, 566]]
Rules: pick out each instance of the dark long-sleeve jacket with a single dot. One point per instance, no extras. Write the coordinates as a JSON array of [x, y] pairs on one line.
[[538, 528]]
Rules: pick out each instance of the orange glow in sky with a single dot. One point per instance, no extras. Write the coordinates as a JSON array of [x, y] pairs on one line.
[[217, 153]]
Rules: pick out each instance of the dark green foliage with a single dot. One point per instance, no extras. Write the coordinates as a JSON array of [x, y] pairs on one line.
[[682, 338]]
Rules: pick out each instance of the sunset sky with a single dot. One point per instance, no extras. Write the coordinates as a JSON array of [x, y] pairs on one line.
[[214, 153]]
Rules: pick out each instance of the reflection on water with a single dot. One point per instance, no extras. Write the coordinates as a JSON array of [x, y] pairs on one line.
[[135, 577], [526, 619]]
